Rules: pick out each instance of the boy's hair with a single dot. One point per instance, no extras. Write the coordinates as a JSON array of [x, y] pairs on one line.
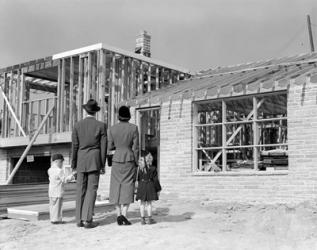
[[57, 157], [145, 153]]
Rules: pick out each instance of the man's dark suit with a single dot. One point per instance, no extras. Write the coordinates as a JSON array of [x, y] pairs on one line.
[[89, 148]]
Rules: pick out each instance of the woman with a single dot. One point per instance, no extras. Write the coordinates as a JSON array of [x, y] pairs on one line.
[[124, 139]]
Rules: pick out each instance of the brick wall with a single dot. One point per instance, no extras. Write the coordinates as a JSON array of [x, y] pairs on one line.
[[296, 186]]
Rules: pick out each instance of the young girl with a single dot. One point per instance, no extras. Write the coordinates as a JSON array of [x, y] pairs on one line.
[[57, 180], [148, 186]]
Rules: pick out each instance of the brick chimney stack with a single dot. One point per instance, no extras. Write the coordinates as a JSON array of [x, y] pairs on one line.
[[143, 44]]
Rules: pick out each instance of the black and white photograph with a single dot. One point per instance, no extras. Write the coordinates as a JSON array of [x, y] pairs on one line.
[[158, 124]]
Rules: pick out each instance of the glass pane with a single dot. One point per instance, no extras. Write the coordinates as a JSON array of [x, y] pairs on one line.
[[273, 158], [273, 106], [204, 163], [209, 112], [272, 132], [239, 134], [239, 109], [209, 136], [239, 159]]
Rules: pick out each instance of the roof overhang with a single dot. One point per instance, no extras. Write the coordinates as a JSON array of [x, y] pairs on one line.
[[99, 46]]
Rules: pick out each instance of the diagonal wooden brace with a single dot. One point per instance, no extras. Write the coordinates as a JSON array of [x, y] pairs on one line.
[[16, 167], [12, 112]]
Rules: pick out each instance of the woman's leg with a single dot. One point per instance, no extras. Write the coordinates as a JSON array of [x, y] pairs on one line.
[[149, 208], [142, 208], [118, 209], [125, 208]]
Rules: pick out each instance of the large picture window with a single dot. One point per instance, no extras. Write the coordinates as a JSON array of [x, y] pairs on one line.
[[245, 133]]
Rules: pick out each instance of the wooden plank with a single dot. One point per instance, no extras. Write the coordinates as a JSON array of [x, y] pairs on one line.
[[149, 78], [46, 106], [157, 78], [17, 99], [30, 111], [38, 114], [71, 93]]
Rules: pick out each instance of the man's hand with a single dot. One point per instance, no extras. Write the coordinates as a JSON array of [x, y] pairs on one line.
[[102, 171]]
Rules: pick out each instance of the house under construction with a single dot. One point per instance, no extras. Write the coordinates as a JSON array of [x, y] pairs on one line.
[[42, 100]]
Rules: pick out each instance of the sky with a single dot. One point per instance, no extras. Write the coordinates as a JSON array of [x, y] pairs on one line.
[[194, 34]]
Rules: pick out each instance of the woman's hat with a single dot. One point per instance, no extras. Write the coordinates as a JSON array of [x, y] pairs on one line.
[[124, 113], [91, 106], [57, 157]]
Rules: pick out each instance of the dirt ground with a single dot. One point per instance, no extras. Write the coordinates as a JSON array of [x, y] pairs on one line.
[[181, 225]]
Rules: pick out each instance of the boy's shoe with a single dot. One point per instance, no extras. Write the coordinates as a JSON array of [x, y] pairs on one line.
[[80, 224], [151, 221], [143, 221]]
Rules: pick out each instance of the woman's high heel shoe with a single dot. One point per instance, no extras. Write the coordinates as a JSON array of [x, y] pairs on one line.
[[119, 220], [125, 220]]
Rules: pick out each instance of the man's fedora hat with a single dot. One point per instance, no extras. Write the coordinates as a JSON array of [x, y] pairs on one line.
[[91, 106]]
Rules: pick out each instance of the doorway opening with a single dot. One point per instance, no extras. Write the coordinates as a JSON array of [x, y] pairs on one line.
[[32, 172], [149, 124]]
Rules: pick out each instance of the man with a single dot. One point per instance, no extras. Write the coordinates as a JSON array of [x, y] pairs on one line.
[[89, 148]]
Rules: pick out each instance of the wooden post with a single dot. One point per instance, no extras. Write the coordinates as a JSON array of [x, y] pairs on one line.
[[133, 80], [102, 83], [157, 78], [149, 78], [17, 101], [122, 79], [255, 132], [71, 93], [310, 34], [141, 79], [89, 73], [15, 169], [113, 89], [170, 76], [62, 98], [224, 136], [21, 97], [38, 118], [80, 89], [85, 89], [58, 108], [46, 106]]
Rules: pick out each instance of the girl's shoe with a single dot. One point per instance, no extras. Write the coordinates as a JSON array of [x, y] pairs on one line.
[[143, 221], [151, 221], [119, 220], [125, 221]]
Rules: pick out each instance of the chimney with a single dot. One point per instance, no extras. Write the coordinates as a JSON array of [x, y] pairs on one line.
[[143, 44]]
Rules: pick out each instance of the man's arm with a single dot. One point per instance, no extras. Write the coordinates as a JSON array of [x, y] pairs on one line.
[[111, 145], [135, 146], [75, 147], [103, 146]]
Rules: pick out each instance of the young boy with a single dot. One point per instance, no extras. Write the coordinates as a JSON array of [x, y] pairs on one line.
[[57, 180]]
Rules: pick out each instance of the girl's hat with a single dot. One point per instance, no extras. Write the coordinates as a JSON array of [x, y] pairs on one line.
[[57, 157]]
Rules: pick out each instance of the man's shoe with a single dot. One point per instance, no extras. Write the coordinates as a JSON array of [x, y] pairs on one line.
[[80, 224], [92, 224]]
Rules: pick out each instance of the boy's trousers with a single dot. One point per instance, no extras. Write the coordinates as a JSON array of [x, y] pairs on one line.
[[56, 212]]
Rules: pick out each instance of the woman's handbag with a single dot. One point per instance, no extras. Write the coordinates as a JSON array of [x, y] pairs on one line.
[[157, 185]]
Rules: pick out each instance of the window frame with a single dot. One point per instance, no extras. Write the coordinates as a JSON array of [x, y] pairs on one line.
[[224, 147]]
